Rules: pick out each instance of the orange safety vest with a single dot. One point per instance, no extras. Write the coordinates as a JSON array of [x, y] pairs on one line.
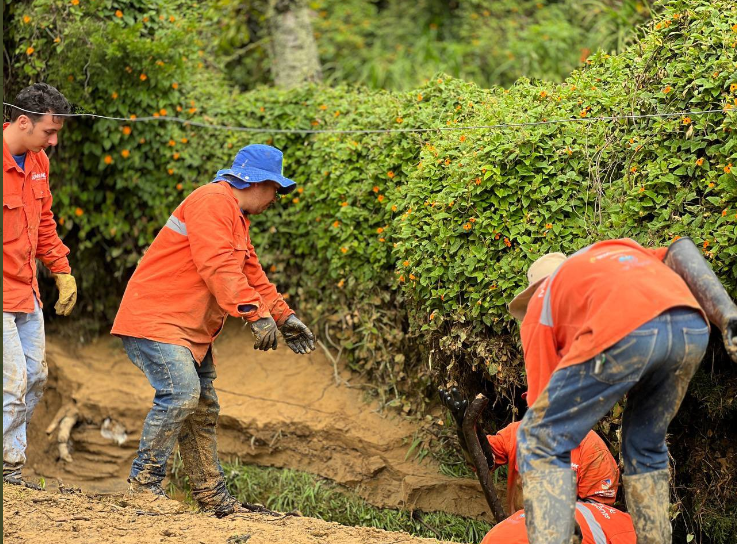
[[597, 474], [29, 230], [600, 524], [200, 268]]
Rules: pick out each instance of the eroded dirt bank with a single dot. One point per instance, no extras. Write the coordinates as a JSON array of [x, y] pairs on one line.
[[53, 518], [277, 409]]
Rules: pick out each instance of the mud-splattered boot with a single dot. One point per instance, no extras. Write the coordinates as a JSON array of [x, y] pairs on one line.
[[550, 502], [648, 497]]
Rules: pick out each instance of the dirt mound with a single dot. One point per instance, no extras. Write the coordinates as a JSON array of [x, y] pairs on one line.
[[38, 516], [277, 409]]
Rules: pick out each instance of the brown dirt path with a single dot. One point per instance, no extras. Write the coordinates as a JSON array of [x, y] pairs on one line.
[[277, 409], [52, 518]]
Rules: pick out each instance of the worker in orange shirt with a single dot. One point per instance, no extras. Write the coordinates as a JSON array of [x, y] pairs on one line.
[[614, 318], [597, 474], [29, 233], [201, 268], [598, 524]]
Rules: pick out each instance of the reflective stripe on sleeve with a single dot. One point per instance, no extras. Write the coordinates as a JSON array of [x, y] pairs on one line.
[[177, 225], [594, 527]]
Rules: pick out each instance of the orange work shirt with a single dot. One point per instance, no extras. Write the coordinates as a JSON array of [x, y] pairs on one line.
[[600, 524], [200, 268], [597, 474], [595, 298], [29, 230]]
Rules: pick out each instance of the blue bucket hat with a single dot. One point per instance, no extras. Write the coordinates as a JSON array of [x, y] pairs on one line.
[[253, 164]]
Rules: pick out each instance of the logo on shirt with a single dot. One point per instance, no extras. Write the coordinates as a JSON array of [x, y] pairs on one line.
[[38, 175], [606, 484]]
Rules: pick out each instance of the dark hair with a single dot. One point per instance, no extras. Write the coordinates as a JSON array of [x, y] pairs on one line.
[[40, 97]]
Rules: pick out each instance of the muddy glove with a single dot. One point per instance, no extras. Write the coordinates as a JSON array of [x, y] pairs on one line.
[[264, 330], [456, 405], [297, 336], [67, 293], [686, 260]]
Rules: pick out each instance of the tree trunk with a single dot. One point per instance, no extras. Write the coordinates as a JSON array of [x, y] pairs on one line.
[[293, 49]]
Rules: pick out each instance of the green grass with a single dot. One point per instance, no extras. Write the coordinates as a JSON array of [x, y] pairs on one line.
[[285, 490]]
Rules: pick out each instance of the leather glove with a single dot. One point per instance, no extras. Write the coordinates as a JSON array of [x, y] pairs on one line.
[[297, 336], [454, 401], [67, 293], [264, 330]]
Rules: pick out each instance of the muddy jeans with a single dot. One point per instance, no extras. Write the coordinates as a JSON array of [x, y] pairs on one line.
[[24, 377], [185, 408], [653, 365]]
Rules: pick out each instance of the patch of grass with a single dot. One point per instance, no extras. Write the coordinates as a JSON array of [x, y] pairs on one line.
[[286, 490]]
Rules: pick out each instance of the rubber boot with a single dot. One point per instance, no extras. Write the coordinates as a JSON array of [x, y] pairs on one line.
[[550, 503], [648, 502]]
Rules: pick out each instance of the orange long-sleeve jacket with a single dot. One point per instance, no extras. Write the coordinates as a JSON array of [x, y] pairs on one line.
[[597, 474], [29, 230], [600, 524], [200, 268]]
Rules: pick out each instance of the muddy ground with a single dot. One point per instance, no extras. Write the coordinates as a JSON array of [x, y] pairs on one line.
[[277, 409], [54, 518]]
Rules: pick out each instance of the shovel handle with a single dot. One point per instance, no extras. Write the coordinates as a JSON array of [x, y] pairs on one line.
[[479, 459]]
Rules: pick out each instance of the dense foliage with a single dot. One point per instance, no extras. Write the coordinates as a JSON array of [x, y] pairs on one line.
[[403, 248]]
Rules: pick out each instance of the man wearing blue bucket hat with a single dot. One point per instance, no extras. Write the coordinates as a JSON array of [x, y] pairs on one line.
[[201, 268]]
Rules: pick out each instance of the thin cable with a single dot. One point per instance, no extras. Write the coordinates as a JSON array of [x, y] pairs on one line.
[[188, 122]]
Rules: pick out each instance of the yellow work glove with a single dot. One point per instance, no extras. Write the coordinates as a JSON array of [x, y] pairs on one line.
[[67, 293]]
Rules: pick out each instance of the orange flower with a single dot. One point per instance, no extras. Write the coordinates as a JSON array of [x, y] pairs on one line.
[[706, 244], [192, 110], [401, 279], [295, 200], [700, 161], [667, 89], [175, 85], [405, 263], [172, 19], [686, 120], [336, 224], [380, 198], [114, 95], [172, 143], [379, 230], [341, 283], [478, 181], [142, 141], [642, 189], [30, 51], [133, 116], [584, 112], [733, 87], [676, 238], [724, 213], [344, 204], [472, 220], [419, 97], [162, 111], [118, 14], [323, 107], [382, 240], [463, 138], [75, 2], [433, 314], [467, 226], [394, 208], [412, 277], [548, 226], [179, 108], [62, 220], [179, 186], [375, 189], [145, 19], [633, 169], [143, 77], [300, 190], [400, 120], [728, 168], [711, 185], [108, 159], [171, 171], [390, 174], [79, 212], [126, 130], [175, 156], [543, 94], [125, 153], [26, 19], [184, 140], [507, 242], [344, 249]]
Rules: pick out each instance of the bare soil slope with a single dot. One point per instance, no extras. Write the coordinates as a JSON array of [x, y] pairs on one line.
[[277, 409]]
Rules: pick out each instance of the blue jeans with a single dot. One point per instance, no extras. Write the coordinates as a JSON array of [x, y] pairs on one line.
[[24, 377], [652, 364], [186, 409]]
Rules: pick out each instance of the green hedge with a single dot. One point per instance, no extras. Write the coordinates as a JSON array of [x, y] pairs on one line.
[[402, 248]]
